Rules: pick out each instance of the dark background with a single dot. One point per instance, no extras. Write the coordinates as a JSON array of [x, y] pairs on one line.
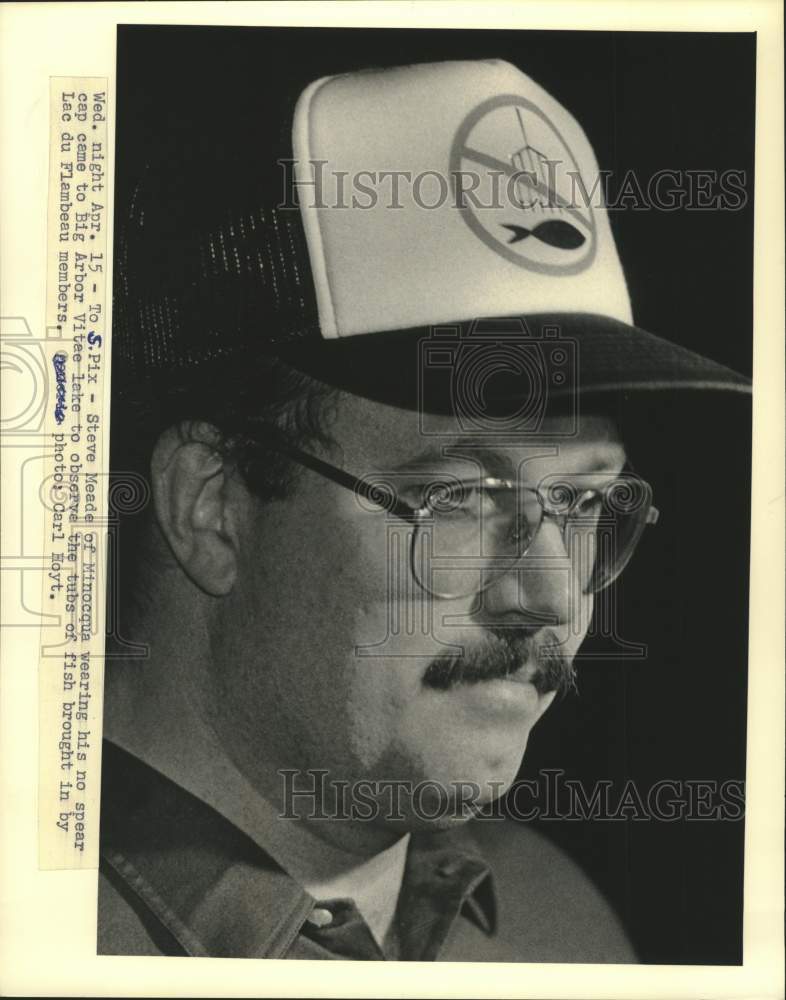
[[647, 101]]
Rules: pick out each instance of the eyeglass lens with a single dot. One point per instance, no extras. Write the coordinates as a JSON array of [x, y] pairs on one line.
[[473, 534]]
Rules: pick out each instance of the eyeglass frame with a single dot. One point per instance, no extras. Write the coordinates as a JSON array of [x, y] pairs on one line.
[[363, 487]]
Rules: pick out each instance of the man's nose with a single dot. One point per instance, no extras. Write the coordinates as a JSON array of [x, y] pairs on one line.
[[543, 584]]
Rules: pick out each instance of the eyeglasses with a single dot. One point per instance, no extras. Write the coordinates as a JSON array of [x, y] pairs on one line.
[[466, 534]]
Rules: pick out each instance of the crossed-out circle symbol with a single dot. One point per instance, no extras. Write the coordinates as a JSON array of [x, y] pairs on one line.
[[569, 231]]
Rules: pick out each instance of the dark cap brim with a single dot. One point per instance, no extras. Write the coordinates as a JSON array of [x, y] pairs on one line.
[[506, 360]]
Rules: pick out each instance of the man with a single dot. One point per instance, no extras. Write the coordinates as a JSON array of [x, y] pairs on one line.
[[379, 521]]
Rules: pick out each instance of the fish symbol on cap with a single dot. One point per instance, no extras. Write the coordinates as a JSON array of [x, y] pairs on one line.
[[555, 232]]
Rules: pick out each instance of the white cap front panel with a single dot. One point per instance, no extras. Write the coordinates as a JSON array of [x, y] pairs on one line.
[[446, 192]]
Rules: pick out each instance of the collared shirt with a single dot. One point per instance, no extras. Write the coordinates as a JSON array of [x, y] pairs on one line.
[[197, 885], [177, 878]]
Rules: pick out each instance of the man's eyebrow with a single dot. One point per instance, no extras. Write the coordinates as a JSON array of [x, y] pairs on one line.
[[492, 461], [607, 457], [501, 461]]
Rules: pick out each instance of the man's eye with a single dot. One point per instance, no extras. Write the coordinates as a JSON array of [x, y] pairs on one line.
[[459, 499], [589, 505]]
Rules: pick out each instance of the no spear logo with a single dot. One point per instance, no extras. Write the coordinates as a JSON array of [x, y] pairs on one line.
[[532, 218]]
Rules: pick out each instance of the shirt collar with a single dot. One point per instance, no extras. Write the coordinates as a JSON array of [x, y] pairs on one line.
[[218, 892]]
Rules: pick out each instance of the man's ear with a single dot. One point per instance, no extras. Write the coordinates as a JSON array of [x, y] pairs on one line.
[[198, 509]]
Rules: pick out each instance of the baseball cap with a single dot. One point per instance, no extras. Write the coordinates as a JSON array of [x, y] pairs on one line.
[[396, 224]]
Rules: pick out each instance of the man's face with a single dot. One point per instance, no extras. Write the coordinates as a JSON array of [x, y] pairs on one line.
[[329, 655]]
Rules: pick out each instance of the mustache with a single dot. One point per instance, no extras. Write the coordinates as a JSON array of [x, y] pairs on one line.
[[502, 652]]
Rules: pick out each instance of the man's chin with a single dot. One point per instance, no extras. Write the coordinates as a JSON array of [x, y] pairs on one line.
[[445, 806], [452, 796]]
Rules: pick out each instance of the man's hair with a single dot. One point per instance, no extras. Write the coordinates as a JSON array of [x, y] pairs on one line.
[[252, 408]]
